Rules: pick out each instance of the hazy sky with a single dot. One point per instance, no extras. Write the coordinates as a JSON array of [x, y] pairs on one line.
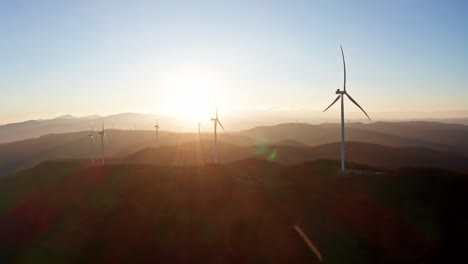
[[174, 57]]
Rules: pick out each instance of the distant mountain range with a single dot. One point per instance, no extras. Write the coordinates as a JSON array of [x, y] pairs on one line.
[[440, 136], [182, 152], [136, 121], [119, 143], [68, 123], [387, 144]]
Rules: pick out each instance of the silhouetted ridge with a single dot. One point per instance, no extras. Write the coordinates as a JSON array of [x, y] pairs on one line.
[[234, 213]]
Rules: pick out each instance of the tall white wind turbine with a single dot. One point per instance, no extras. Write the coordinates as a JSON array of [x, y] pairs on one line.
[[157, 128], [216, 122], [102, 133], [91, 143], [341, 95]]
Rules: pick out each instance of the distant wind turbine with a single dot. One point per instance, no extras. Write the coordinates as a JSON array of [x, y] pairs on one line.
[[216, 122], [157, 128], [91, 143], [102, 133], [341, 96], [199, 131]]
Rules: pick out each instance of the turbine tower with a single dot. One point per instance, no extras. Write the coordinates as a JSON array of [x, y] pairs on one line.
[[341, 95], [91, 143], [102, 133], [216, 122], [199, 131], [157, 128]]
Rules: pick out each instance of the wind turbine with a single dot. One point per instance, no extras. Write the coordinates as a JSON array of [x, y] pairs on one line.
[[216, 122], [91, 143], [102, 133], [341, 95], [157, 128], [199, 131]]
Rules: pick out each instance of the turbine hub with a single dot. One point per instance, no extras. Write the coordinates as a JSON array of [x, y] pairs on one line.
[[338, 91]]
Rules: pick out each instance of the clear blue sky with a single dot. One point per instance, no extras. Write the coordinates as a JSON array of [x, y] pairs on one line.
[[101, 57]]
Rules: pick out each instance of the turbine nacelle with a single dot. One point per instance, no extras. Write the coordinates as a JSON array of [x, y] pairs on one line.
[[338, 91]]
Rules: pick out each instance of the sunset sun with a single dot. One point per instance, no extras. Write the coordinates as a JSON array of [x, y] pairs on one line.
[[191, 93]]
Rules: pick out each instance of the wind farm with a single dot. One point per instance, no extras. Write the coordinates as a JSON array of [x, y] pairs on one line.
[[87, 174]]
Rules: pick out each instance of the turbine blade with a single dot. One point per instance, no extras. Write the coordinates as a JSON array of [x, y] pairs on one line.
[[221, 125], [338, 97], [352, 100], [344, 68]]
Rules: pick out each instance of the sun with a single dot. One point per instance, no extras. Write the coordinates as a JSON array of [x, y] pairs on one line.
[[191, 93]]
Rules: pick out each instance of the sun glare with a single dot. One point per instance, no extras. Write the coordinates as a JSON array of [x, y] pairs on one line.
[[191, 93]]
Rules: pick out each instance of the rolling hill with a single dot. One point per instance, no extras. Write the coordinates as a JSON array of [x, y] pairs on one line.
[[26, 153], [68, 124], [440, 136], [194, 153], [242, 212], [440, 145]]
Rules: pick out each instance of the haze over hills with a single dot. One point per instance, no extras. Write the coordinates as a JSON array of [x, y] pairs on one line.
[[447, 137], [379, 156], [433, 141], [186, 150], [131, 121], [67, 124], [76, 145], [442, 136]]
